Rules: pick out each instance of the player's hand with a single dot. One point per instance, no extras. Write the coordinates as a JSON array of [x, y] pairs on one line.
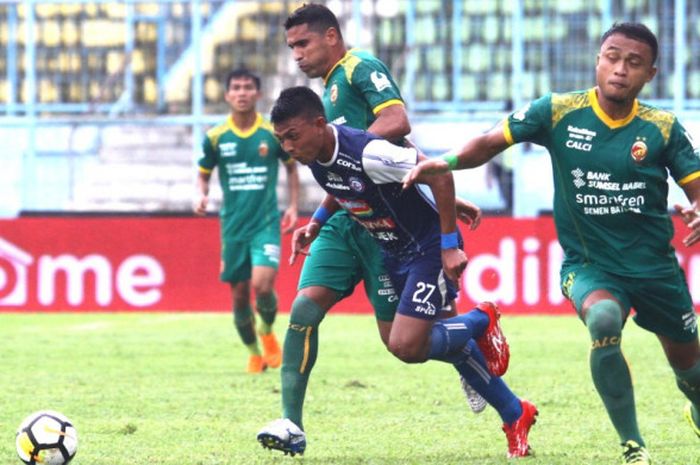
[[289, 220], [691, 217], [200, 205], [454, 261], [468, 213], [432, 166], [301, 239]]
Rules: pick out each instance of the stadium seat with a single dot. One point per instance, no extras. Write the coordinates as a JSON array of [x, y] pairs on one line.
[[102, 33], [50, 33], [498, 87], [70, 34], [468, 90], [694, 84]]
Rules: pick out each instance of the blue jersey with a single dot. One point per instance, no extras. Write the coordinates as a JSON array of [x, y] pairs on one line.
[[364, 175]]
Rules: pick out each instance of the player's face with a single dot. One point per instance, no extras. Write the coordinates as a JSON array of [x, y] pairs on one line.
[[310, 50], [624, 66], [301, 138], [242, 95]]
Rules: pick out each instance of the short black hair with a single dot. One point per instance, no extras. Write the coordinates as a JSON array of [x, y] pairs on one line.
[[635, 31], [317, 17], [244, 74], [296, 101]]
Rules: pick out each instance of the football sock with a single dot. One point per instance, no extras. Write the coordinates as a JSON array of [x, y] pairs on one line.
[[450, 336], [611, 375], [299, 355], [266, 306], [688, 382], [244, 321], [492, 388]]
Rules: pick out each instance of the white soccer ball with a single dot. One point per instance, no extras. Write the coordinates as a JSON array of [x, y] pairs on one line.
[[46, 438]]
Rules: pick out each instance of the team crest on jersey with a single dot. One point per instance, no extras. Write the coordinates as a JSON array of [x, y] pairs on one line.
[[263, 149], [639, 151], [356, 184], [334, 93]]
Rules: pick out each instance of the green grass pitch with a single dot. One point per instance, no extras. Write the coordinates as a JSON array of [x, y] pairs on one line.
[[170, 389]]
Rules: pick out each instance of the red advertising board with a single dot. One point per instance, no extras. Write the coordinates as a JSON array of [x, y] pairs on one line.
[[171, 264]]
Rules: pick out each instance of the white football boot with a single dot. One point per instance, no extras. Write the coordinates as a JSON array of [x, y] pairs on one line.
[[284, 435], [474, 399]]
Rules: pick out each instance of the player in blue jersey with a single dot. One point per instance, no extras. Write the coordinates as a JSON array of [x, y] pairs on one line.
[[420, 245], [612, 156]]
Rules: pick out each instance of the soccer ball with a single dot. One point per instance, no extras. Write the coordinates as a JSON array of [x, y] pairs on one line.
[[46, 438]]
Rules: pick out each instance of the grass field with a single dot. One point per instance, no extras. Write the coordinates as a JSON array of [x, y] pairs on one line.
[[170, 389]]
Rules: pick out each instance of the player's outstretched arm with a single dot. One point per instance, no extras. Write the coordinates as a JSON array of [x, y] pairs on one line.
[[291, 215], [391, 123], [200, 203], [691, 214], [477, 151]]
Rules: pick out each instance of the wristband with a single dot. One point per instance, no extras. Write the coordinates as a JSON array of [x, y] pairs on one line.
[[449, 241], [451, 160], [321, 215]]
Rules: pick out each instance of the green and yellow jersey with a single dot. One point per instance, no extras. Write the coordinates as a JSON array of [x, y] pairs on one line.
[[248, 166], [610, 179], [357, 88]]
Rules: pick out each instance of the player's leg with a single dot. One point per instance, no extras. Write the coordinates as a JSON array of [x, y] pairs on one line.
[[665, 307], [329, 273], [236, 270], [265, 257], [266, 306], [684, 358], [602, 304]]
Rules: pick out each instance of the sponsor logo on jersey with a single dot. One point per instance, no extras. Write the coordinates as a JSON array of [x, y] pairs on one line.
[[639, 151], [337, 186], [332, 177], [380, 223], [578, 178], [380, 81], [357, 184], [339, 120], [334, 93], [580, 138], [358, 208], [348, 164], [227, 149], [263, 149]]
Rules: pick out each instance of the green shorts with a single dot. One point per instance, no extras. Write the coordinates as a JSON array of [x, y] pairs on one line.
[[662, 304], [239, 257], [341, 256]]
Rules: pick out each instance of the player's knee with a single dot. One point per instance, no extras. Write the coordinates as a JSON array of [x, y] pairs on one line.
[[406, 350], [688, 380], [305, 312], [604, 320]]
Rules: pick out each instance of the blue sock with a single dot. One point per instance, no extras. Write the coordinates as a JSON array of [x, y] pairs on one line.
[[492, 388], [450, 336]]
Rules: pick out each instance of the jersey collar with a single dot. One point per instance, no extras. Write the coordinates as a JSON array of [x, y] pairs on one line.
[[338, 63], [245, 134], [611, 123], [335, 149]]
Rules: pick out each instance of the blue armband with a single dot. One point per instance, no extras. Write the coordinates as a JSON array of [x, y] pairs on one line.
[[449, 241], [321, 215]]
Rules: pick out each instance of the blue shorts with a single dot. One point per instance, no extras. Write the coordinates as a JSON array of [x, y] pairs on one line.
[[425, 291]]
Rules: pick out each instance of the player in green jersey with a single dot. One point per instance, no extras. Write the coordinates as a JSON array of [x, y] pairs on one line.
[[611, 156], [359, 92], [247, 156]]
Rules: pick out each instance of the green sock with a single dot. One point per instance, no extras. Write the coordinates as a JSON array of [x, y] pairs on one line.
[[244, 321], [266, 306], [611, 375], [299, 356], [688, 382]]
